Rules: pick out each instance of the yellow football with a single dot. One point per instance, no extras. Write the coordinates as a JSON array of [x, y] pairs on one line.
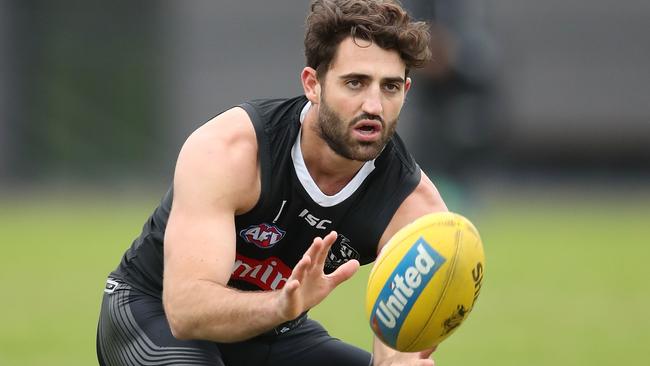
[[425, 282]]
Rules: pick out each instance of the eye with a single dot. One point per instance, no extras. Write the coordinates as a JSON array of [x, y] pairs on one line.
[[353, 84], [392, 87]]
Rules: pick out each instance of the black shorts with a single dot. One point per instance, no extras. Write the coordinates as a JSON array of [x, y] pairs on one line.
[[133, 330]]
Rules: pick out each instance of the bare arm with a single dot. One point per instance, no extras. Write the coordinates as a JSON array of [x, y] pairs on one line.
[[217, 177], [423, 200]]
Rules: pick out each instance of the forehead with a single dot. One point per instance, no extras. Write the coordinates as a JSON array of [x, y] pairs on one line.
[[367, 58]]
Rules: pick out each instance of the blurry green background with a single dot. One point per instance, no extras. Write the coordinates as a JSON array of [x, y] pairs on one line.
[[96, 98], [566, 280]]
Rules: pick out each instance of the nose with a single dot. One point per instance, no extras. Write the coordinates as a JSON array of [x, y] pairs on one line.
[[372, 103]]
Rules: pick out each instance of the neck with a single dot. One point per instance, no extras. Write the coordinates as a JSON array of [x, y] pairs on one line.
[[330, 171]]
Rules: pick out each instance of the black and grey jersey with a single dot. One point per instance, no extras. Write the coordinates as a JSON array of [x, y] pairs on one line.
[[291, 210]]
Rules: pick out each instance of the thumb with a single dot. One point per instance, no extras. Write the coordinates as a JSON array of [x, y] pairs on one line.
[[427, 353], [344, 272]]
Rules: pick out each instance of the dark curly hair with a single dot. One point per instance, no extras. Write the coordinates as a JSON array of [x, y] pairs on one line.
[[383, 22]]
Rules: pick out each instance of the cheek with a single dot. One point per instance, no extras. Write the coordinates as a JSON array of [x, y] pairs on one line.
[[392, 108], [343, 106]]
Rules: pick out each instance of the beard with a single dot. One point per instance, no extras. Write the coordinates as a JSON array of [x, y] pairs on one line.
[[337, 133]]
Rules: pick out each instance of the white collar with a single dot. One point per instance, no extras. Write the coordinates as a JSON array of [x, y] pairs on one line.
[[308, 182]]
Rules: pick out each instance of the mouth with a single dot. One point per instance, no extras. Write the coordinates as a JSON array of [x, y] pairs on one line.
[[367, 130]]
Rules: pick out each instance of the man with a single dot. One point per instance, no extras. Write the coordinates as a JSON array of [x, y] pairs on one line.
[[275, 203]]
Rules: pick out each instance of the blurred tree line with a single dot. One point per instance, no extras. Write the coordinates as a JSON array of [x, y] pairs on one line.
[[81, 90]]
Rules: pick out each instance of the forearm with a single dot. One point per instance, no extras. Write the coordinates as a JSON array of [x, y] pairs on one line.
[[207, 310]]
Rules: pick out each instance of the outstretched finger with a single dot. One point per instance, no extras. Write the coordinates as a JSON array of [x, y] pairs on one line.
[[344, 272], [292, 302], [321, 255], [315, 248], [301, 267]]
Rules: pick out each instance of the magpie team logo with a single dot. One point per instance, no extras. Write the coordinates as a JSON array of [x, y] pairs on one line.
[[340, 253], [262, 235]]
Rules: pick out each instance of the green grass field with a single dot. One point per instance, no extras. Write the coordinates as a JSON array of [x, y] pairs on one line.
[[566, 281]]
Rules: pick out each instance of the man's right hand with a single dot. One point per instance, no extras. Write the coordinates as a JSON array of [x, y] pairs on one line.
[[308, 284]]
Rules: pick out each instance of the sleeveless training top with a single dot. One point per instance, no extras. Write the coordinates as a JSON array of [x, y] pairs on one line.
[[291, 211]]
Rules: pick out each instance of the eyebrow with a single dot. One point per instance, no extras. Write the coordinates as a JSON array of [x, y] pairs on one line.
[[353, 75]]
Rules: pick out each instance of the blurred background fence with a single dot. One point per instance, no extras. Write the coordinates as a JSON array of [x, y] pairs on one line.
[[97, 92]]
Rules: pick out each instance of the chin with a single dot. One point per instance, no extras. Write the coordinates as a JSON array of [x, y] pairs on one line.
[[367, 154]]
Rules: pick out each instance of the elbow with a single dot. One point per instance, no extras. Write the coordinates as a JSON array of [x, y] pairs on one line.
[[178, 323], [179, 329], [190, 319], [185, 328]]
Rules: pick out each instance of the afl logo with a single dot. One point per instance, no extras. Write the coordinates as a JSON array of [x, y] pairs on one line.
[[263, 235]]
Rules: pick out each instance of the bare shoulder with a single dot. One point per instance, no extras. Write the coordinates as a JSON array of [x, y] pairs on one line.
[[218, 161], [423, 200], [232, 128]]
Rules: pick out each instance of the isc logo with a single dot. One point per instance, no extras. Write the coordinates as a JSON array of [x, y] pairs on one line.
[[314, 221], [409, 278]]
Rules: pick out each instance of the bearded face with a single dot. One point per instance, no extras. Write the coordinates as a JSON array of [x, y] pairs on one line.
[[341, 135]]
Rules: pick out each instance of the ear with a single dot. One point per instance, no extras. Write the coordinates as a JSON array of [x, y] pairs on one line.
[[407, 85], [310, 84]]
